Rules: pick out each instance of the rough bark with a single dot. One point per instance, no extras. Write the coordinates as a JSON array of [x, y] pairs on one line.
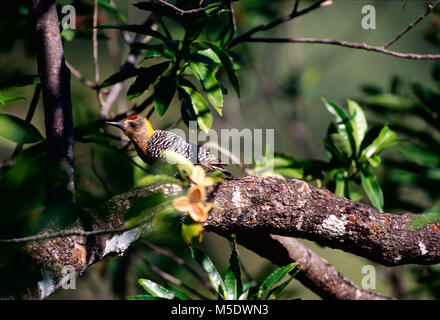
[[294, 208], [262, 212]]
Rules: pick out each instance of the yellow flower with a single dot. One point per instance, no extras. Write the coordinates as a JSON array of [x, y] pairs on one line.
[[192, 203], [198, 177]]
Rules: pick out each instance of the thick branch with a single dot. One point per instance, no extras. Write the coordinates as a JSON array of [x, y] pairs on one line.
[[296, 209], [253, 207], [316, 273], [55, 80]]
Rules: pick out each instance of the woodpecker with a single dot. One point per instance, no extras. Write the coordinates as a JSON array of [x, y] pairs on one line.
[[150, 144]]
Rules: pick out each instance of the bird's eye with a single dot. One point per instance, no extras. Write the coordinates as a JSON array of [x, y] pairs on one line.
[[132, 124]]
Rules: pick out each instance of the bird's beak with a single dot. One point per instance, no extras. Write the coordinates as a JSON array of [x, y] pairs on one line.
[[117, 124]]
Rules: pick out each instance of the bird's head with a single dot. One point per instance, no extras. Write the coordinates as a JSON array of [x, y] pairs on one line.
[[138, 129]]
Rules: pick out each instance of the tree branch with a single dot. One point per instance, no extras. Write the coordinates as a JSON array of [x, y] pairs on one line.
[[254, 208], [95, 52], [129, 63], [296, 209], [247, 36], [294, 14], [55, 81], [192, 11], [75, 72], [347, 44], [315, 273], [430, 8]]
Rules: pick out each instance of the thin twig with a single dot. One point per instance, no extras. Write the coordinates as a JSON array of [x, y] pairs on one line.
[[294, 14], [64, 233], [130, 61], [347, 44], [296, 5], [75, 72], [135, 110], [412, 25], [232, 20], [192, 11], [95, 52]]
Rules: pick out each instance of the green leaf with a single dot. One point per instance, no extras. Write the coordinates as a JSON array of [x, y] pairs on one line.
[[145, 78], [143, 208], [155, 289], [166, 50], [209, 83], [237, 60], [274, 278], [371, 188], [244, 295], [210, 54], [142, 29], [374, 160], [119, 77], [275, 292], [355, 196], [18, 130], [333, 153], [391, 102], [165, 28], [68, 34], [233, 283], [187, 110], [191, 231], [179, 294], [340, 184], [420, 154], [4, 100], [163, 94], [227, 65], [112, 10], [214, 276], [200, 107], [343, 123], [386, 138], [358, 122], [341, 144], [197, 57]]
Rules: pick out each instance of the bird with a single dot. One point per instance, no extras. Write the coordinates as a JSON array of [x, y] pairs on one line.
[[150, 144]]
